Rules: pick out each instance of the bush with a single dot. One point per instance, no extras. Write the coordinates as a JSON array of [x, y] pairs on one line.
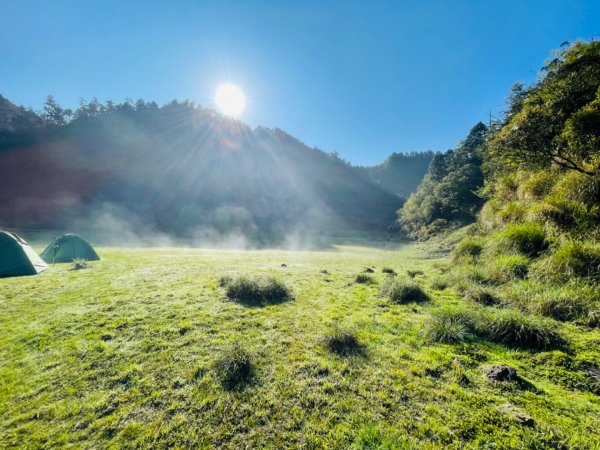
[[537, 185], [526, 238], [363, 278], [481, 295], [257, 291], [515, 329], [449, 326], [400, 291], [389, 271], [574, 259], [225, 280], [235, 368], [510, 267], [470, 247], [343, 342]]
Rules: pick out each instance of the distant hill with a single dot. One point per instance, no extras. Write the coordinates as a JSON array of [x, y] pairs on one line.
[[178, 170], [400, 173]]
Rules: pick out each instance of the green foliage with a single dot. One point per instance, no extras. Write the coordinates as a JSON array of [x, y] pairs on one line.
[[257, 291], [572, 259], [449, 326], [513, 328], [528, 239], [447, 194], [235, 368], [555, 122], [401, 291], [510, 267], [566, 309], [481, 295], [470, 247]]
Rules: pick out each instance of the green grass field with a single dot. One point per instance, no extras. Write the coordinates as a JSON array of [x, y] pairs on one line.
[[123, 354]]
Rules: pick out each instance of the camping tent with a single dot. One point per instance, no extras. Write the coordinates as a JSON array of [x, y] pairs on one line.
[[67, 248], [17, 258]]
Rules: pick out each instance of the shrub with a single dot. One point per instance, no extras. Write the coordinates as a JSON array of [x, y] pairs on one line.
[[400, 291], [574, 259], [389, 271], [481, 295], [257, 291], [363, 278], [449, 326], [235, 368], [470, 247], [343, 342], [512, 328], [510, 267], [79, 264], [526, 238]]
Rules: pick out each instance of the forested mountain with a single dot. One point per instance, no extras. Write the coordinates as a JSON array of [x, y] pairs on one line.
[[400, 173], [448, 194], [176, 169]]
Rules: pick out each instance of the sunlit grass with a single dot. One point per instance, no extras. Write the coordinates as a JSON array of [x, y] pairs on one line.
[[144, 349]]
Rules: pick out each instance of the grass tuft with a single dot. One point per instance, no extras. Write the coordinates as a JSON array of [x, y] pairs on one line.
[[526, 238], [343, 342], [573, 259], [257, 291], [235, 368], [401, 291], [363, 278], [512, 328], [470, 247], [481, 295], [448, 326], [80, 264]]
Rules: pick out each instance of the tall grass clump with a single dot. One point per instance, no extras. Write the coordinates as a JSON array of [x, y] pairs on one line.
[[343, 342], [526, 238], [512, 328], [449, 326], [506, 268], [257, 291], [363, 278], [480, 294], [470, 247], [574, 259], [235, 367], [403, 291]]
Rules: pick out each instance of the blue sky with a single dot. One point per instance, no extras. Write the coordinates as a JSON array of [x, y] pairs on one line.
[[361, 78]]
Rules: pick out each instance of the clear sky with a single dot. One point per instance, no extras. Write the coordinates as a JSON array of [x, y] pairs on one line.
[[361, 78]]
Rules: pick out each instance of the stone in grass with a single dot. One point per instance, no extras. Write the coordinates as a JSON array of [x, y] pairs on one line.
[[502, 373], [517, 414]]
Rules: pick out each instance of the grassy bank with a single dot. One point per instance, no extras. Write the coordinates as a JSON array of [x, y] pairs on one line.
[[139, 350]]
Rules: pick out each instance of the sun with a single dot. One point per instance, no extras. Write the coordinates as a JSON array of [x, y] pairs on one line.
[[230, 99]]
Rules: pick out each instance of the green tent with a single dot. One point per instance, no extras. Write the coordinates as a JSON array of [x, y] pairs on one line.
[[17, 258], [67, 248]]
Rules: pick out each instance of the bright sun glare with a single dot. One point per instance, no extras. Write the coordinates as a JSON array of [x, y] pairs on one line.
[[230, 99]]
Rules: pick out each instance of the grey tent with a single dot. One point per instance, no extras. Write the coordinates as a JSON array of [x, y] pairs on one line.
[[67, 248], [17, 258]]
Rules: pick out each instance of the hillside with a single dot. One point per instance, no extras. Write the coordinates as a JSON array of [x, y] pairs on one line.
[[179, 170], [400, 173]]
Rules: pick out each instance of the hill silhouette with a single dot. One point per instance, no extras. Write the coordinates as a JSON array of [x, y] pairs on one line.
[[178, 170]]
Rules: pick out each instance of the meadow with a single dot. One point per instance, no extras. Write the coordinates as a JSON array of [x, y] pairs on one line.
[[128, 353]]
